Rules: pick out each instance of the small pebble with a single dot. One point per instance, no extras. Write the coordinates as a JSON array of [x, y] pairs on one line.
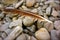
[[57, 24], [28, 21], [1, 38], [30, 3]]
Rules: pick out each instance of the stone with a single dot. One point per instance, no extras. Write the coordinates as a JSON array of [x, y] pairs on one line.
[[32, 28], [15, 23], [18, 4], [4, 35], [28, 21], [39, 24], [1, 38], [4, 26], [14, 33], [49, 26], [8, 2], [30, 3], [8, 31], [54, 13], [42, 34], [57, 24], [1, 15], [48, 10], [33, 38], [34, 11], [21, 37], [36, 5], [54, 35]]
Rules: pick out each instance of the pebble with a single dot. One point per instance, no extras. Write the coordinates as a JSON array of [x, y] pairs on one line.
[[48, 10], [33, 38], [48, 26], [42, 34], [30, 3], [25, 8], [32, 28], [34, 11], [1, 15], [57, 24], [39, 24], [17, 22], [1, 38], [54, 13], [36, 5], [8, 31], [54, 35], [14, 33], [8, 2], [21, 37], [28, 21], [4, 35], [4, 26]]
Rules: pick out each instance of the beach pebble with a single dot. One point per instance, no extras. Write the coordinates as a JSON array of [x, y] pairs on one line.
[[48, 26], [4, 26], [54, 13], [57, 24], [32, 28], [17, 22], [48, 10], [54, 35], [21, 37], [28, 21], [34, 11], [42, 34], [30, 3]]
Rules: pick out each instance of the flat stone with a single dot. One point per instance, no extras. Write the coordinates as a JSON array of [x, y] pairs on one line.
[[42, 34]]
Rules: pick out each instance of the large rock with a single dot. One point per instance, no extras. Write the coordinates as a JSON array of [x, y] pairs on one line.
[[30, 3], [42, 34]]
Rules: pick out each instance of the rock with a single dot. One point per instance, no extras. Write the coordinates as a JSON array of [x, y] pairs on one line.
[[54, 35], [42, 34], [4, 26], [25, 8], [39, 24], [18, 4], [4, 35], [32, 28], [36, 5], [28, 37], [34, 11], [42, 0], [14, 33], [1, 15], [1, 38], [57, 24], [54, 13], [49, 26], [28, 21], [48, 10], [33, 38], [16, 23], [8, 31], [8, 2], [30, 3], [21, 37], [41, 4], [51, 18], [1, 6]]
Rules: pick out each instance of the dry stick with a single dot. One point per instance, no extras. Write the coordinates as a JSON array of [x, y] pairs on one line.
[[25, 13]]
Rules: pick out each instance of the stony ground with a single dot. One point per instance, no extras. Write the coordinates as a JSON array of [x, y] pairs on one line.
[[17, 27]]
